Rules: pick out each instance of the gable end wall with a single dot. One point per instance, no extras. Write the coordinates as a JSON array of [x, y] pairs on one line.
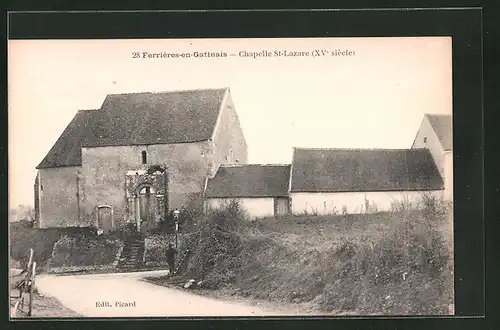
[[228, 140], [58, 206], [432, 143]]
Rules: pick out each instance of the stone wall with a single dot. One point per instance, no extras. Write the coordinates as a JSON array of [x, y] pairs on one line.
[[104, 172], [57, 193], [229, 142]]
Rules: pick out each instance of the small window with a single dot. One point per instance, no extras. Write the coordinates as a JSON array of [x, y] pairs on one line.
[[144, 157], [425, 139]]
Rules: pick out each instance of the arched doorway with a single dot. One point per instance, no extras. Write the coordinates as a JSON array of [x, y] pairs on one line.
[[105, 218], [147, 202], [146, 206]]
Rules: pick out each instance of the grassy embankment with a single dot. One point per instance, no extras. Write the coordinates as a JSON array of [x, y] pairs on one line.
[[394, 263]]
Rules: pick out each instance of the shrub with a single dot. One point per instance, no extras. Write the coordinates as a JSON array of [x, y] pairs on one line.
[[402, 205], [156, 246], [229, 215], [406, 271], [126, 233], [215, 247], [402, 268]]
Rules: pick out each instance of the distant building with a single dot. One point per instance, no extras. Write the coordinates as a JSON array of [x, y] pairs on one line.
[[436, 134], [326, 181], [142, 155], [261, 190], [136, 158]]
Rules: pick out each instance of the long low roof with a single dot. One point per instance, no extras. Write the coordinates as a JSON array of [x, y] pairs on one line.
[[357, 170], [249, 181]]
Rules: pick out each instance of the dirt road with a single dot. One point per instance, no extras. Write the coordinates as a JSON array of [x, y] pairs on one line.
[[125, 295]]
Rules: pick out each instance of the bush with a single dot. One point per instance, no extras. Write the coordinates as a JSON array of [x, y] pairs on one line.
[[403, 268], [215, 247], [156, 246], [127, 233], [407, 271], [229, 215]]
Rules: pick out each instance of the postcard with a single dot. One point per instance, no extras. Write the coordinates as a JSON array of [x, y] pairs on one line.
[[230, 177]]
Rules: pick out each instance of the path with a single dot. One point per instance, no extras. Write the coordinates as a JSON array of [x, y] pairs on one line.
[[100, 296]]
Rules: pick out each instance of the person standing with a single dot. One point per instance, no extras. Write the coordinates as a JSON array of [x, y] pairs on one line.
[[171, 253]]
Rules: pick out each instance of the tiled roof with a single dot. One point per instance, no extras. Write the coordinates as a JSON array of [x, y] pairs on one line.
[[350, 170], [139, 119], [67, 151], [443, 126], [249, 181], [156, 118]]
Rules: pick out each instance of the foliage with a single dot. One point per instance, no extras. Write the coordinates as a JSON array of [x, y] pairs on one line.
[[402, 205], [126, 233], [378, 263], [156, 246], [215, 247], [23, 237], [407, 271], [85, 250]]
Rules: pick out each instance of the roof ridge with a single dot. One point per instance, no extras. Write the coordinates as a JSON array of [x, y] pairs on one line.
[[172, 91]]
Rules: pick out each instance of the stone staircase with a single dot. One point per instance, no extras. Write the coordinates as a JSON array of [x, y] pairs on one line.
[[132, 254]]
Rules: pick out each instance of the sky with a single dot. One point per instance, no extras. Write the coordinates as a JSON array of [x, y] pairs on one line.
[[375, 98]]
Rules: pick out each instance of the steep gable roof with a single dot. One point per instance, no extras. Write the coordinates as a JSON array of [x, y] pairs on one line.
[[443, 126], [350, 170], [156, 118], [249, 181], [67, 150]]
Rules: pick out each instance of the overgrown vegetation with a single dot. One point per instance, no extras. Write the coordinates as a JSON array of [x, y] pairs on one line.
[[85, 251], [382, 263], [24, 237], [216, 247]]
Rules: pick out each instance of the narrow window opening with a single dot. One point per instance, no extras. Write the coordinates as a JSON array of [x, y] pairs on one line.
[[425, 139], [144, 157]]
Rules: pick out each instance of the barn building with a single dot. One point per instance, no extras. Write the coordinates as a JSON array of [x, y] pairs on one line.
[[136, 158], [261, 190], [325, 181], [328, 181]]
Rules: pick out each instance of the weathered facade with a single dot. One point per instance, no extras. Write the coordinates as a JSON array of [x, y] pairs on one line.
[[261, 190], [137, 157]]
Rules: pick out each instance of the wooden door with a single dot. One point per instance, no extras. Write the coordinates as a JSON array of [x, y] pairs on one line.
[[105, 218], [281, 206], [148, 209]]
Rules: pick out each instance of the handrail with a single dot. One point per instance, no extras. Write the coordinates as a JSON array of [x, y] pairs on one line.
[[184, 257]]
